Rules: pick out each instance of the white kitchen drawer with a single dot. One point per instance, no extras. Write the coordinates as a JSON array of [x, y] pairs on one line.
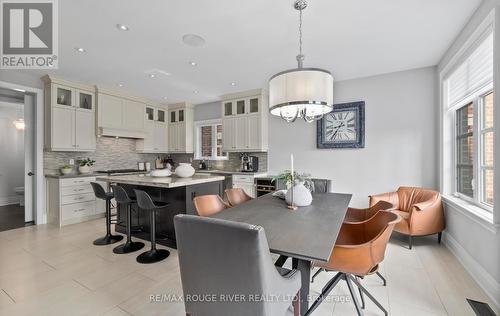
[[243, 178], [78, 198], [76, 181], [77, 189], [77, 210]]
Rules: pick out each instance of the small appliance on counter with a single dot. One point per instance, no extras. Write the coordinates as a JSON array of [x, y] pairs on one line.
[[249, 163], [159, 163], [141, 166], [202, 165]]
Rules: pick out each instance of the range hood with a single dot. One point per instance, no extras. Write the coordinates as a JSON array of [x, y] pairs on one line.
[[116, 132]]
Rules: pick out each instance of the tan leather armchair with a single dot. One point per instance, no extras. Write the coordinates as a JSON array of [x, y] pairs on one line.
[[421, 211], [237, 196], [207, 205], [358, 251]]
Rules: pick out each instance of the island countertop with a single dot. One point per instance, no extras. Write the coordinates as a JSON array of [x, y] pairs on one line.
[[162, 182]]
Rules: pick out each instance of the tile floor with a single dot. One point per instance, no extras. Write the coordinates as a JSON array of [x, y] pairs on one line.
[[50, 271]]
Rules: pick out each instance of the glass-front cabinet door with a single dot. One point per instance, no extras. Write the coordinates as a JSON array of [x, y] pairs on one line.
[[228, 108], [240, 107], [150, 114], [85, 100], [63, 95], [173, 116], [161, 116], [181, 115], [254, 105]]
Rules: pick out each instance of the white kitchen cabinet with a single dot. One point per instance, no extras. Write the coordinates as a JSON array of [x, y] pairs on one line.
[[72, 200], [245, 182], [156, 131], [244, 121], [180, 128], [69, 115], [120, 115]]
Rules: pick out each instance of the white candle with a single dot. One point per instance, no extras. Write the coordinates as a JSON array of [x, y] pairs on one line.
[[291, 167]]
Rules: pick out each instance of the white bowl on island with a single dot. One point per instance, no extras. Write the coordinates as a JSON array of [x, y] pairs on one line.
[[185, 170], [161, 173]]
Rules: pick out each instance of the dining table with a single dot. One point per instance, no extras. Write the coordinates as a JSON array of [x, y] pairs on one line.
[[305, 234]]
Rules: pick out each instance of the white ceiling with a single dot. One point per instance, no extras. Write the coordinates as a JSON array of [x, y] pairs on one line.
[[247, 41]]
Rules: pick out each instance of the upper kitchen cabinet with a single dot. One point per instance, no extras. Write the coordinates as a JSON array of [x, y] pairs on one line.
[[120, 115], [180, 128], [69, 115], [244, 120], [156, 128]]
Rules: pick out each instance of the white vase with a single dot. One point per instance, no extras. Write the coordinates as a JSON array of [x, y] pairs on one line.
[[301, 195], [185, 170], [84, 169]]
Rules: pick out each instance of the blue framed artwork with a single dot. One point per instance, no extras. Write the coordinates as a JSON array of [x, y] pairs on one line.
[[343, 127]]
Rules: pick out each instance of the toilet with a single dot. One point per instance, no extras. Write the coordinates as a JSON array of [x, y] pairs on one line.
[[20, 192]]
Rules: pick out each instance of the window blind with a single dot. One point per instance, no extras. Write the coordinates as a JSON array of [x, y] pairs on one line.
[[472, 74]]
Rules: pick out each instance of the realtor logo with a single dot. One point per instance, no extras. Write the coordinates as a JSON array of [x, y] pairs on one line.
[[29, 38]]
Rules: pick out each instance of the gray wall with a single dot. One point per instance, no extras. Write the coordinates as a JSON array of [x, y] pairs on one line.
[[400, 138], [476, 247]]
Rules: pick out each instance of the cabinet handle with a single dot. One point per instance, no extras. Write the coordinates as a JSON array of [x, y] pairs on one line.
[[79, 210], [78, 190]]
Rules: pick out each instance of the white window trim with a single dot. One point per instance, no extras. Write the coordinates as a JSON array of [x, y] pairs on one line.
[[491, 221], [197, 140]]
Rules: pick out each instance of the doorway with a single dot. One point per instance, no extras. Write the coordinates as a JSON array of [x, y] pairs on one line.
[[17, 156]]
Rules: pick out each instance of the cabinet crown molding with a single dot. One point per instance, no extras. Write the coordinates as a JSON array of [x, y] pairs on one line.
[[243, 94], [122, 95], [48, 79], [180, 105]]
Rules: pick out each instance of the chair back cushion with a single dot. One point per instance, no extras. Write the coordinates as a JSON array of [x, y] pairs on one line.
[[222, 258], [207, 205], [409, 196], [121, 195], [237, 196], [99, 191]]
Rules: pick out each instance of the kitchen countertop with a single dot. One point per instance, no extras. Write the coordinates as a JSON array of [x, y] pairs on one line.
[[72, 175], [216, 171], [163, 182]]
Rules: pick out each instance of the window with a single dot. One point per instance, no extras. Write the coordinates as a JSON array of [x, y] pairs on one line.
[[474, 155], [468, 121], [209, 140]]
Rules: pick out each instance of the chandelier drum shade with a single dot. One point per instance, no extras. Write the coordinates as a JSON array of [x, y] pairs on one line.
[[301, 92]]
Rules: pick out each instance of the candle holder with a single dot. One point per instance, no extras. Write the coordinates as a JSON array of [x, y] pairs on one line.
[[292, 205]]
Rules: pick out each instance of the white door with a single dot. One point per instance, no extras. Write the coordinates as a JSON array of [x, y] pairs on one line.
[[84, 130], [63, 128], [29, 152], [228, 134], [110, 111], [240, 133], [133, 115], [253, 132]]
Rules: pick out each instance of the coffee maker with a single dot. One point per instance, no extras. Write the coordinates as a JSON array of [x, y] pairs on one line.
[[249, 163]]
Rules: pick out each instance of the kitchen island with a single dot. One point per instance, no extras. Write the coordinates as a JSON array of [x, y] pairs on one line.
[[177, 192]]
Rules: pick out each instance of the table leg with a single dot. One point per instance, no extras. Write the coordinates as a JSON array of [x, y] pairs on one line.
[[304, 266]]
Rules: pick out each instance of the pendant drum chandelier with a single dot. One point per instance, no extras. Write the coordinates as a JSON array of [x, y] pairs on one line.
[[301, 92]]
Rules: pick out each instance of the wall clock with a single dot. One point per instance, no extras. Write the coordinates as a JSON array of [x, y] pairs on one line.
[[343, 127]]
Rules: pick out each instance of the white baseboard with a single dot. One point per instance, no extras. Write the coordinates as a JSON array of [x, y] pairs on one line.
[[8, 200], [478, 273]]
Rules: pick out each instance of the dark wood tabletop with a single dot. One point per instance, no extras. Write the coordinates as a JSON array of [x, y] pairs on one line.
[[308, 233]]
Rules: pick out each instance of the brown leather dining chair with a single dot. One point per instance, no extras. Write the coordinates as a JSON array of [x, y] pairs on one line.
[[421, 211], [236, 196], [358, 215], [207, 205], [359, 250]]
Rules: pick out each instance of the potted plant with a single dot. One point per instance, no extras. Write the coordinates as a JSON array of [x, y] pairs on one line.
[[85, 164], [66, 169], [302, 187]]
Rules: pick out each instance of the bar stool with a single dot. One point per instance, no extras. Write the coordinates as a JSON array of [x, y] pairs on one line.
[[146, 203], [123, 198], [100, 193]]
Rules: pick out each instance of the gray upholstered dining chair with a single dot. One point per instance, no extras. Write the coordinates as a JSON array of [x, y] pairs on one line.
[[221, 259]]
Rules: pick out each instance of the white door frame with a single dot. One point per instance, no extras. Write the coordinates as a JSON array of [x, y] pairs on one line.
[[39, 212]]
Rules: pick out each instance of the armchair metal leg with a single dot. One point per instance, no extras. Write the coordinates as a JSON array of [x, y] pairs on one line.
[[439, 237], [368, 294], [382, 278], [361, 296], [316, 274], [326, 290], [353, 295], [410, 241]]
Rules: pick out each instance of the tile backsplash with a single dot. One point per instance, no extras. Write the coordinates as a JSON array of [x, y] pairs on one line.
[[120, 153]]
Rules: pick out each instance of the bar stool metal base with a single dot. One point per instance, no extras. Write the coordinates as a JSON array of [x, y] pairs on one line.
[[153, 255], [108, 240], [128, 247]]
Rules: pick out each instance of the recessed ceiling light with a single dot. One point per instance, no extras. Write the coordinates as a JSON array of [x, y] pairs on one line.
[[233, 83], [152, 75], [193, 40], [80, 49], [193, 63], [195, 91], [165, 98], [122, 27], [120, 85]]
